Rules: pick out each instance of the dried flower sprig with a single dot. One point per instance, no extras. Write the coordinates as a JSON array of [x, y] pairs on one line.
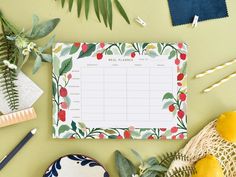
[[15, 49]]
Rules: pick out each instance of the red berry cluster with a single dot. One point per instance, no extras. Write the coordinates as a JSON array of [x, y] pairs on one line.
[[61, 112]]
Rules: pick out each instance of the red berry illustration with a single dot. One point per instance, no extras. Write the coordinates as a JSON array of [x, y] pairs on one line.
[[69, 76], [180, 76], [127, 134], [64, 105], [174, 129], [102, 45], [101, 136], [150, 137], [99, 56], [182, 96], [62, 115], [77, 44], [183, 56], [131, 128], [63, 92], [180, 114], [173, 137], [177, 61], [181, 136], [84, 47], [132, 54], [179, 84], [119, 137], [171, 108], [163, 129], [180, 45]]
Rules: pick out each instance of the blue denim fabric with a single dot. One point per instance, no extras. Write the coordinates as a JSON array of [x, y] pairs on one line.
[[183, 11]]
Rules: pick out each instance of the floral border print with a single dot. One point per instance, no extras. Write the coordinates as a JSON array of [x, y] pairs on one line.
[[175, 103]]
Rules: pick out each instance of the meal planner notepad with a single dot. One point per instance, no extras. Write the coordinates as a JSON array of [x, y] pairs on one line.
[[119, 90]]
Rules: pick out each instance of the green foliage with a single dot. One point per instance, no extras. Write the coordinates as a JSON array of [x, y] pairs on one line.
[[124, 166], [8, 76], [152, 167], [15, 49], [103, 7]]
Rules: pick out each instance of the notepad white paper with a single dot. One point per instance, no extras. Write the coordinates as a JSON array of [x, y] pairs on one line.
[[120, 90]]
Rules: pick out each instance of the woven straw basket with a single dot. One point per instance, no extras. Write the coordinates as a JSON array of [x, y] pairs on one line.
[[208, 141]]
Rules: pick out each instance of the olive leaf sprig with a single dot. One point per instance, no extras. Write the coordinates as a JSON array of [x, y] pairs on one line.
[[152, 167], [15, 49], [101, 7]]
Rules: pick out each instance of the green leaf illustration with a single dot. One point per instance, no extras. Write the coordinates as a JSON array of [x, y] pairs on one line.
[[172, 54], [54, 90], [73, 49], [168, 96], [73, 125], [63, 129], [66, 66], [91, 49], [71, 4], [103, 11]]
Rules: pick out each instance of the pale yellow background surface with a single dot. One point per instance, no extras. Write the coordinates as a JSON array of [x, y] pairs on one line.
[[211, 43]]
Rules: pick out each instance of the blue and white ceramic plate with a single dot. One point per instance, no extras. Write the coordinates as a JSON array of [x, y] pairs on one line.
[[76, 165]]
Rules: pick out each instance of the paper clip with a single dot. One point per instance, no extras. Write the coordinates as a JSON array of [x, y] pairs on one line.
[[140, 21], [195, 21]]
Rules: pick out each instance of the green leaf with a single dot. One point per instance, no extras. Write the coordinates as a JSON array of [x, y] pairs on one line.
[[152, 161], [109, 13], [159, 48], [112, 137], [110, 131], [35, 21], [79, 7], [65, 51], [54, 89], [62, 3], [168, 96], [67, 100], [184, 68], [49, 44], [56, 65], [87, 6], [73, 49], [138, 157], [172, 54], [144, 45], [71, 4], [81, 132], [37, 64], [47, 57], [82, 125], [91, 49], [96, 8], [122, 11], [124, 166], [103, 11], [66, 66], [43, 29], [73, 125], [63, 129]]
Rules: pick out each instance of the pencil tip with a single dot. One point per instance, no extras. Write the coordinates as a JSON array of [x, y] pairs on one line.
[[34, 131]]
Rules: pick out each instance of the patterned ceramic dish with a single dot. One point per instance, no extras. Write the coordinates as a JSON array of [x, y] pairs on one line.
[[76, 165]]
